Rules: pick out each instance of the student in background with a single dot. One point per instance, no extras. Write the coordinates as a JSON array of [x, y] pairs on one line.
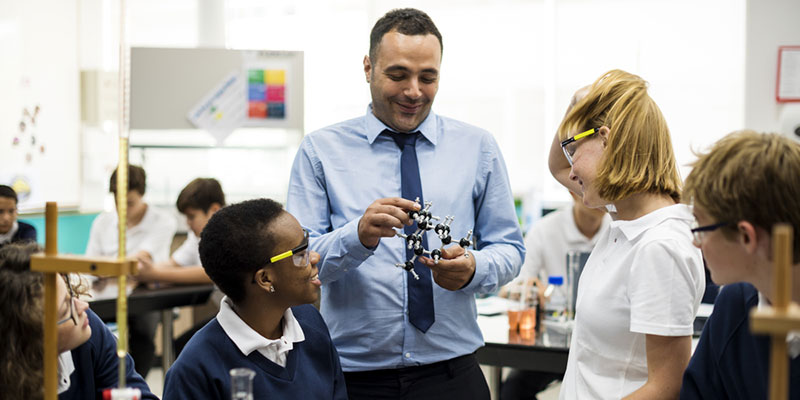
[[87, 360], [745, 185], [149, 234], [258, 255], [198, 201], [12, 230], [572, 228], [642, 285]]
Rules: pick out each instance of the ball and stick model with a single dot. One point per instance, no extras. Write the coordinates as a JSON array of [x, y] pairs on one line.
[[424, 219]]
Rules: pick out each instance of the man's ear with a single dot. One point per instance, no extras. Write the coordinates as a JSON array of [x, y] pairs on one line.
[[367, 67]]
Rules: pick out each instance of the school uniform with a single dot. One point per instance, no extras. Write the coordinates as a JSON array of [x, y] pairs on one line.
[[303, 364], [19, 232], [644, 277], [93, 366], [730, 362]]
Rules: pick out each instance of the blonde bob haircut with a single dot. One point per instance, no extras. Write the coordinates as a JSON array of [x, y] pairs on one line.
[[749, 176], [638, 157]]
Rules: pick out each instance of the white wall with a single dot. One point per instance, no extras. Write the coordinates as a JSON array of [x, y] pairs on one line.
[[509, 66], [38, 66], [770, 23]]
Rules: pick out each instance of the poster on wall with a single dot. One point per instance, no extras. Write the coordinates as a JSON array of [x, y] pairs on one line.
[[217, 90], [222, 109], [269, 88], [266, 93], [788, 83]]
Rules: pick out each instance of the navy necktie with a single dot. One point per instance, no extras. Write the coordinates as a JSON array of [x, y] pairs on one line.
[[420, 292]]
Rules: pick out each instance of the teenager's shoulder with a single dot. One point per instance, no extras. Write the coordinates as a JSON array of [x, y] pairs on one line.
[[737, 298], [25, 227], [211, 334]]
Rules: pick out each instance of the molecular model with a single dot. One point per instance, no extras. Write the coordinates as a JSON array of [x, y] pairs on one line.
[[424, 219]]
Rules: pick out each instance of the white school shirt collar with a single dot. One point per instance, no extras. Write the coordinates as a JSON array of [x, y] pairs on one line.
[[792, 339], [248, 340], [633, 228], [6, 237], [65, 368]]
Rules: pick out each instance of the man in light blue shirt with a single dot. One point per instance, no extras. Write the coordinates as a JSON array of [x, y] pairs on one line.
[[345, 188]]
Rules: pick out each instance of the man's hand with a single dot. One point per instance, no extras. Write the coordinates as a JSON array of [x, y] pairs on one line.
[[454, 270], [381, 217]]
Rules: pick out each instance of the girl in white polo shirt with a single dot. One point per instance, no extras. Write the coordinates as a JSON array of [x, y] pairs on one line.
[[643, 283]]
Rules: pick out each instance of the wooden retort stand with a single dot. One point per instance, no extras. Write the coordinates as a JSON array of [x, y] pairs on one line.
[[50, 263], [782, 317]]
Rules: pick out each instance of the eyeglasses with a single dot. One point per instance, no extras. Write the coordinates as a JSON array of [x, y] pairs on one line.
[[568, 152], [699, 232], [299, 254], [71, 292]]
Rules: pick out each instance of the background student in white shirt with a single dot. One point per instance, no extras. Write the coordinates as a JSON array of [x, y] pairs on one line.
[[572, 228], [642, 285], [149, 234], [198, 201]]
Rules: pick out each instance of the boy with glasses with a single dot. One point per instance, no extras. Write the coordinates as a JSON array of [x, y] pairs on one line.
[[745, 185], [258, 255]]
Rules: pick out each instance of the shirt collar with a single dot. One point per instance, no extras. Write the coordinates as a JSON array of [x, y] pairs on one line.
[[246, 338], [65, 368], [428, 128], [634, 228], [792, 338]]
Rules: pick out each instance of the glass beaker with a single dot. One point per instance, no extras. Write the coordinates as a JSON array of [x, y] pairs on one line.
[[573, 265], [242, 383]]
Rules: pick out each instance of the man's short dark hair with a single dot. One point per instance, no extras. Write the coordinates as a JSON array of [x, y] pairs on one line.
[[236, 242], [8, 191], [408, 21], [200, 194], [136, 180]]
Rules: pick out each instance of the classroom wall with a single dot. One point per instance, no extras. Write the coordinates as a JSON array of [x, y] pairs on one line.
[[509, 66], [38, 67], [770, 23]]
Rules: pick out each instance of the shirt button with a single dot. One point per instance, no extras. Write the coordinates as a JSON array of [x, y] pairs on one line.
[[408, 355]]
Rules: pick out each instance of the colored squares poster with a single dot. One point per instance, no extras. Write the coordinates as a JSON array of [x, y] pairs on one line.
[[266, 94]]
